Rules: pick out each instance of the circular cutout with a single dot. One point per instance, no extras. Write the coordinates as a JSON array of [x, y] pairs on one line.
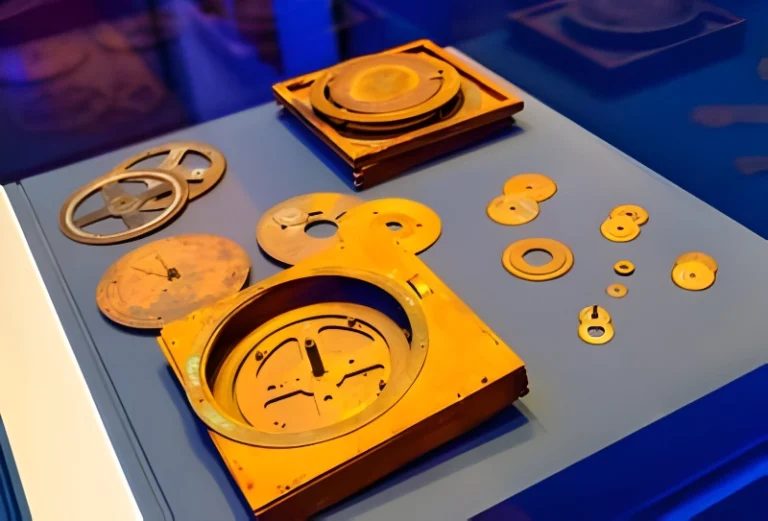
[[693, 276], [534, 186], [119, 203], [620, 229], [617, 290], [167, 279], [596, 334], [634, 212], [200, 180], [624, 268], [282, 232], [513, 210], [514, 260], [697, 256]]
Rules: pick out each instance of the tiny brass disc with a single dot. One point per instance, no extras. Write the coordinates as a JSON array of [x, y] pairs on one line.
[[282, 230], [624, 268], [167, 279], [200, 180], [697, 256], [620, 229], [617, 290], [534, 186], [513, 210], [414, 226], [693, 276], [514, 261], [634, 212]]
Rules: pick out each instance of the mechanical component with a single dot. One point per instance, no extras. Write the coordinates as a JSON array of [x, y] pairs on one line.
[[694, 271], [617, 290], [119, 203], [697, 256], [595, 325], [200, 180], [512, 210], [620, 229], [282, 230], [534, 186], [624, 268], [634, 212], [167, 279], [514, 260]]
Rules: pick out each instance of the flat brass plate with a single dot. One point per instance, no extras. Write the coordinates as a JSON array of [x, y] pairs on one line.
[[534, 186], [624, 268], [167, 279], [281, 231], [620, 229], [617, 290], [697, 256], [121, 204], [693, 275], [513, 210], [595, 325], [514, 261], [636, 213], [200, 180], [412, 226]]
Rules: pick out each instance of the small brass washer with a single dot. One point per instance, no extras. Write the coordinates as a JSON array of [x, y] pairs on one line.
[[514, 261], [693, 276], [617, 290], [624, 268], [620, 229]]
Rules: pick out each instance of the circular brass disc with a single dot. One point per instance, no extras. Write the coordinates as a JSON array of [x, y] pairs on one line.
[[634, 212], [200, 180], [596, 334], [168, 279], [617, 290], [620, 229], [624, 268], [693, 276], [535, 186], [450, 85], [513, 210], [413, 226], [594, 315], [514, 261], [385, 83], [121, 204], [281, 231], [697, 256], [41, 60]]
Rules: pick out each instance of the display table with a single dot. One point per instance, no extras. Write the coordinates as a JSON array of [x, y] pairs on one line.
[[671, 346]]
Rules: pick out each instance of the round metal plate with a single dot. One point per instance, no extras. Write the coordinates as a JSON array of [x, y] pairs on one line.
[[120, 204], [413, 226], [514, 261], [634, 212], [620, 229], [534, 186], [385, 83], [693, 276], [513, 210], [697, 256], [200, 180], [624, 268], [168, 279], [617, 290], [450, 85], [281, 231]]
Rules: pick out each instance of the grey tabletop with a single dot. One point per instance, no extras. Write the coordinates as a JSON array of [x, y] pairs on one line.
[[671, 346]]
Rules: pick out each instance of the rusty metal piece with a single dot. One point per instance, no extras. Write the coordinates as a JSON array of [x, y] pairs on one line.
[[595, 325], [514, 261], [281, 231], [167, 279], [620, 229], [624, 268], [512, 210], [200, 180], [634, 212], [617, 290], [534, 186], [119, 203]]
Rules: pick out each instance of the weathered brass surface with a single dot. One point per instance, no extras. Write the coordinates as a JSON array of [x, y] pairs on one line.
[[694, 271], [534, 186], [514, 261], [595, 325], [167, 279], [624, 268], [325, 377], [617, 290], [200, 179], [388, 112], [121, 204], [513, 210], [636, 213], [282, 230], [620, 229]]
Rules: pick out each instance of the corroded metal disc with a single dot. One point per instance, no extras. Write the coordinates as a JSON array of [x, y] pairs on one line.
[[281, 231], [200, 180], [170, 278]]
